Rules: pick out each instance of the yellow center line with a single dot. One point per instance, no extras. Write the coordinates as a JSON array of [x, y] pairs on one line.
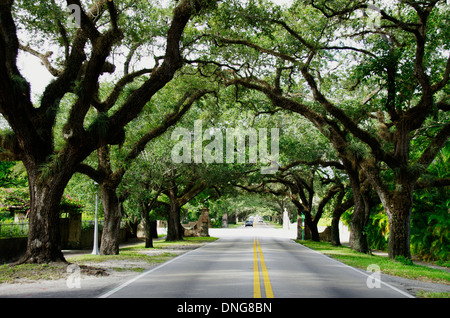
[[265, 273], [267, 285], [256, 284]]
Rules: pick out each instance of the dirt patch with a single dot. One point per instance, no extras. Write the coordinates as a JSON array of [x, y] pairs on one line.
[[93, 271]]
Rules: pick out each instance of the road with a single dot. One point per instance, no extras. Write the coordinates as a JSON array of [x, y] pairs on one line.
[[254, 264]]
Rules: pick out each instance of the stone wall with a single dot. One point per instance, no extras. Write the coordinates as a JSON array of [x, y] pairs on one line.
[[199, 228]]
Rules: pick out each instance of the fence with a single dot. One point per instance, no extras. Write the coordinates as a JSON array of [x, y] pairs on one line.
[[19, 229], [11, 229], [89, 224]]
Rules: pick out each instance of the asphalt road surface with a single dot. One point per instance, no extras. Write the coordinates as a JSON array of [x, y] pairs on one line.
[[255, 263]]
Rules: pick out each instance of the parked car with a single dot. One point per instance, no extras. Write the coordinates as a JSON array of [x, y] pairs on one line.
[[248, 223]]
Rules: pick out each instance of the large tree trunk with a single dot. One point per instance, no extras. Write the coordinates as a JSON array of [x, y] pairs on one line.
[[44, 241], [358, 238], [398, 204], [399, 216], [112, 217], [336, 216], [174, 227], [339, 209], [311, 230], [399, 237]]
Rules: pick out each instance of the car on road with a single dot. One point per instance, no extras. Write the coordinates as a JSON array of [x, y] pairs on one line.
[[248, 223]]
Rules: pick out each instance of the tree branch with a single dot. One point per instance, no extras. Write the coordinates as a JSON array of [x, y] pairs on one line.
[[433, 148], [444, 182], [439, 85], [349, 124], [162, 74], [259, 48], [44, 59], [171, 119], [320, 162], [96, 175]]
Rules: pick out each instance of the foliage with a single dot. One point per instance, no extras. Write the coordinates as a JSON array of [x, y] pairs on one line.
[[430, 224], [378, 229], [12, 175], [430, 230], [14, 197], [70, 205], [9, 228], [13, 188]]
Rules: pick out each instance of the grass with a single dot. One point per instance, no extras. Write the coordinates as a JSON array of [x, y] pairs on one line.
[[424, 294], [9, 274], [387, 266], [136, 252]]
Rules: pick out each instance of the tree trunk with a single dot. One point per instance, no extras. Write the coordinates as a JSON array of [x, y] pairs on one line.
[[147, 226], [132, 227], [44, 240], [311, 230], [358, 238], [314, 232], [335, 235], [174, 227], [339, 209], [399, 236], [399, 216], [148, 234], [336, 216], [154, 229], [111, 226]]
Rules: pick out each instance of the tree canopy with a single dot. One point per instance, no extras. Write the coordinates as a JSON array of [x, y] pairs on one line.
[[356, 91]]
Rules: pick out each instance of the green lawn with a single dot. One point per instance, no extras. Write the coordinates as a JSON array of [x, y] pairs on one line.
[[134, 252], [387, 266]]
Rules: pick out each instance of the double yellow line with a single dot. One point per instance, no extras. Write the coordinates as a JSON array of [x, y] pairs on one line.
[[265, 274]]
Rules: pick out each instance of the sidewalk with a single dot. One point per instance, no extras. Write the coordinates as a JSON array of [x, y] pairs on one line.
[[72, 253], [130, 242]]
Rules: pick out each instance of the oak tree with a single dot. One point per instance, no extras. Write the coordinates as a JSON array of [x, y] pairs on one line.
[[86, 56]]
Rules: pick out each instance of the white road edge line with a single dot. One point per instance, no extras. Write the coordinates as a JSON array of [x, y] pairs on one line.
[[115, 290], [361, 272]]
